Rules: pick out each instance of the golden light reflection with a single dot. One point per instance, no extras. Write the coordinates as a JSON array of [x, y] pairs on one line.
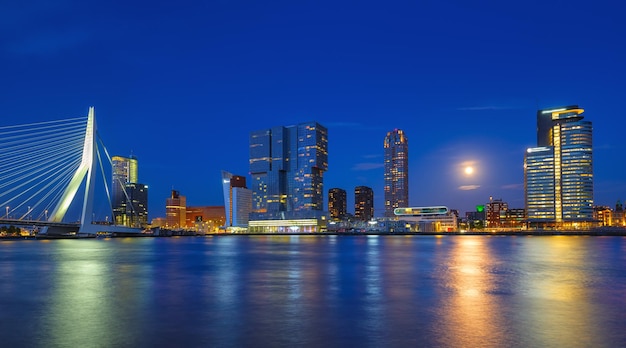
[[556, 271], [473, 311]]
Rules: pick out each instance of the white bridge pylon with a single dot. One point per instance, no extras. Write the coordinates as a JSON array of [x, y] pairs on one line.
[[86, 169]]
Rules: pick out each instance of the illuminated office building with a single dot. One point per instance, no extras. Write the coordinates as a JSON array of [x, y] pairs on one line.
[[396, 171], [363, 203], [237, 200], [337, 203], [129, 199], [287, 166], [558, 173], [136, 214], [176, 211]]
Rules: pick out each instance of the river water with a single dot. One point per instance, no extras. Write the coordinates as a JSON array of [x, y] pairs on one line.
[[314, 291]]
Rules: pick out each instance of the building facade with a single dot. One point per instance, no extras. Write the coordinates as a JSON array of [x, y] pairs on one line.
[[205, 219], [237, 201], [287, 165], [429, 219], [337, 203], [558, 173], [129, 198], [363, 203], [176, 211], [396, 187], [494, 208], [136, 214]]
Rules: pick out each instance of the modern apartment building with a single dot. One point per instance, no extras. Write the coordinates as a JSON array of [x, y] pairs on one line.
[[337, 203], [396, 188], [363, 203]]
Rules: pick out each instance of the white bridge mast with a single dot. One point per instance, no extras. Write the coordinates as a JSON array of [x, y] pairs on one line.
[[87, 168]]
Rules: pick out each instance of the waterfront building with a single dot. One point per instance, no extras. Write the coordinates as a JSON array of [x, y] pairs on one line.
[[363, 203], [337, 203], [237, 201], [558, 173], [494, 208], [136, 213], [204, 219], [287, 166], [158, 222], [428, 219], [603, 214], [476, 219], [396, 171], [129, 198], [514, 219], [618, 215], [176, 211]]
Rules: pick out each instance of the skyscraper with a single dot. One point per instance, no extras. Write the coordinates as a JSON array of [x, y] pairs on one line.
[[129, 198], [136, 214], [237, 200], [558, 173], [396, 171], [337, 203], [363, 203], [287, 166]]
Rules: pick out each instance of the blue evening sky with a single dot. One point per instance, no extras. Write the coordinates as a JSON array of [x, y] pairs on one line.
[[182, 84]]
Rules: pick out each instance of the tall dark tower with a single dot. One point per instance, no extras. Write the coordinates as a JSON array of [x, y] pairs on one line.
[[396, 171], [337, 203], [363, 203]]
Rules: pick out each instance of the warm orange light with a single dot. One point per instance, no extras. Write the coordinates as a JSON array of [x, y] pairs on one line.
[[469, 170]]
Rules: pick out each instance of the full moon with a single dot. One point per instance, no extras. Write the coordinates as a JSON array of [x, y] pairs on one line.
[[469, 170]]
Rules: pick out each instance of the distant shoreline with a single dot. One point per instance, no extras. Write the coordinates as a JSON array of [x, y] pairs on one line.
[[592, 233], [469, 233]]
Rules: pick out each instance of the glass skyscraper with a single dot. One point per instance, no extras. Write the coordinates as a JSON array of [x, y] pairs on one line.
[[287, 166], [396, 171], [129, 199], [558, 174]]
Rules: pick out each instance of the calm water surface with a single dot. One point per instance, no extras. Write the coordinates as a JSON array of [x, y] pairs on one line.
[[314, 291]]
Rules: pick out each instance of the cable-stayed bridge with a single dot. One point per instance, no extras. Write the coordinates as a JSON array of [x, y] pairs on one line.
[[50, 168]]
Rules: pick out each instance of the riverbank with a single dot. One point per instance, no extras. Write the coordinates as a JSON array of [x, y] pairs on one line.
[[599, 232], [621, 232]]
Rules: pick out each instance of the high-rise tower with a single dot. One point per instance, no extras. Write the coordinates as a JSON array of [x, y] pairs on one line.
[[287, 166], [237, 200], [337, 203], [363, 203], [396, 171], [129, 199], [558, 173]]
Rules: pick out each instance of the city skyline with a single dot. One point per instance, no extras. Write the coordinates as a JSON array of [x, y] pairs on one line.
[[182, 89]]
